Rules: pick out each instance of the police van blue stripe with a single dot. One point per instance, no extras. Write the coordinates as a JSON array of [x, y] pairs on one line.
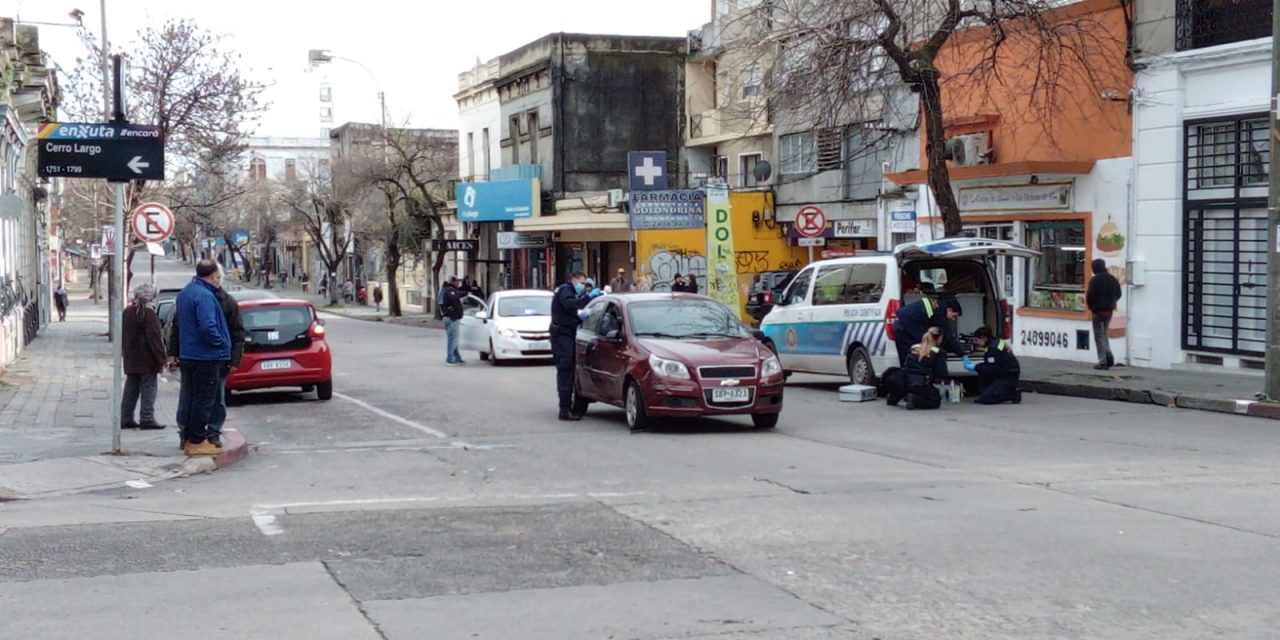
[[827, 338]]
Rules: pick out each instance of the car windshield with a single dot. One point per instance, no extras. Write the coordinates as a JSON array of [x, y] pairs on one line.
[[682, 319], [519, 306]]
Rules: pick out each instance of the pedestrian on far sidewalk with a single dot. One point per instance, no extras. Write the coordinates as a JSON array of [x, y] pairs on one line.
[[451, 308], [144, 359], [1102, 297], [619, 283], [377, 297], [60, 301], [204, 348]]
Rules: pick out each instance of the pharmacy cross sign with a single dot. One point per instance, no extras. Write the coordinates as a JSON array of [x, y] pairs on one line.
[[152, 222], [647, 170]]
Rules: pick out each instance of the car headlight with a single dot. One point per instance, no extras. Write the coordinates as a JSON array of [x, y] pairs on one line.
[[508, 333], [669, 368], [771, 367]]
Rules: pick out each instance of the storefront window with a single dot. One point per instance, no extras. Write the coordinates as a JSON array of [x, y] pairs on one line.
[[1057, 277]]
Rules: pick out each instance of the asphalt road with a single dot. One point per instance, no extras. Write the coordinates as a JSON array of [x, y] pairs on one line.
[[442, 502]]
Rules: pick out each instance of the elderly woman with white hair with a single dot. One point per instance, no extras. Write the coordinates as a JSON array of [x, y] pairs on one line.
[[144, 359]]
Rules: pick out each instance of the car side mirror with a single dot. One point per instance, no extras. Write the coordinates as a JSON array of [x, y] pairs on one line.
[[614, 335], [482, 315]]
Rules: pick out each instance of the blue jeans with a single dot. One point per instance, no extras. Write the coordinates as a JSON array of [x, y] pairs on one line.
[[196, 401], [451, 328], [218, 416]]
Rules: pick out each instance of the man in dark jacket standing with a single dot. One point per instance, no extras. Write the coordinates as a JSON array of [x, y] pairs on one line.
[[143, 348], [569, 298], [1103, 295], [451, 308], [235, 326], [204, 348], [915, 319]]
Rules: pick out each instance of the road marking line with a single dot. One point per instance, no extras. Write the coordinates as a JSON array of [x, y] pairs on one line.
[[393, 417], [266, 523], [265, 509]]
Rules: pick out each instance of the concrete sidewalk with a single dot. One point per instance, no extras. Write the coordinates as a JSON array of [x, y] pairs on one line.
[[1202, 389], [55, 415]]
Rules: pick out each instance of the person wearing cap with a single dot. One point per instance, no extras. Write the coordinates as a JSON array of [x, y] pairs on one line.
[[918, 317], [619, 284], [998, 372]]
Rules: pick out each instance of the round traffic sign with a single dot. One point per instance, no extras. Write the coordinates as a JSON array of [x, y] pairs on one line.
[[152, 222], [811, 222]]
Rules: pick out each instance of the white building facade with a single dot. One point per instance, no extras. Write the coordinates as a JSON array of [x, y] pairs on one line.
[[1198, 261]]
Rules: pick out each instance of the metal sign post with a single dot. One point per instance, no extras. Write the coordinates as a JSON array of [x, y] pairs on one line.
[[1272, 381], [117, 313]]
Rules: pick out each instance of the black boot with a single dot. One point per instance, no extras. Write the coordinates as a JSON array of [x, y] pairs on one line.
[[569, 416]]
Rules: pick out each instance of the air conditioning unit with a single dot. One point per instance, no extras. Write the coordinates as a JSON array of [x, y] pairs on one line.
[[969, 150], [616, 198]]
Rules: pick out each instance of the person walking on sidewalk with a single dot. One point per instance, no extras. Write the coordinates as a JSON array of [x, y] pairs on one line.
[[60, 301], [144, 359], [377, 297], [451, 307], [204, 348], [1102, 296]]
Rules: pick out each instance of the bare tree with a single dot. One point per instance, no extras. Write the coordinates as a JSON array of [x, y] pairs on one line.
[[180, 79], [836, 62], [410, 171], [321, 206]]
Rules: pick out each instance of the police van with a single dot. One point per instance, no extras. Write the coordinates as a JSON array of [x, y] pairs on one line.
[[837, 316]]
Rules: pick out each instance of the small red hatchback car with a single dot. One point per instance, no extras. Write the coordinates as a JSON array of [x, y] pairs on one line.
[[284, 347], [663, 355]]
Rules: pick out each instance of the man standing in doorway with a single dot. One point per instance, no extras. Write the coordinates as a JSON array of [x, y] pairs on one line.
[[569, 298], [204, 348], [619, 283], [1103, 295], [451, 308]]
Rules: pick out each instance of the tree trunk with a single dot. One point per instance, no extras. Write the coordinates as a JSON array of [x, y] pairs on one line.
[[393, 288], [935, 150], [266, 264]]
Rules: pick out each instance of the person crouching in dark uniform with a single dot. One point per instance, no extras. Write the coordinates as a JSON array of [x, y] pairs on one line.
[[998, 372], [569, 298], [918, 317], [925, 366]]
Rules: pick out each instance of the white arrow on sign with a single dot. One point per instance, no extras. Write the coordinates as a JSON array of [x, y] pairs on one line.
[[137, 165]]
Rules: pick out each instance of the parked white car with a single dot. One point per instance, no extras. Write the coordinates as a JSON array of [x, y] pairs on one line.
[[510, 325]]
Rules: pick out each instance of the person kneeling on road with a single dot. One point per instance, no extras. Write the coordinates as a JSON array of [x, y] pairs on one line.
[[925, 366], [998, 372]]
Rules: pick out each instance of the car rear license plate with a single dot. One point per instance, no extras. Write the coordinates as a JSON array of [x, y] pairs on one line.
[[734, 394], [540, 345], [276, 364]]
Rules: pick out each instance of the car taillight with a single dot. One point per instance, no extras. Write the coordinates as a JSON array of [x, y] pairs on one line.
[[316, 331], [767, 297], [1007, 309], [891, 316]]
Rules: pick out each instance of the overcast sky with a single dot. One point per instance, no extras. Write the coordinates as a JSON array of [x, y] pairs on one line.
[[415, 49]]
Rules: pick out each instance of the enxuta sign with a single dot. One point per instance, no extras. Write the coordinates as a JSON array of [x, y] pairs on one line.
[[114, 151]]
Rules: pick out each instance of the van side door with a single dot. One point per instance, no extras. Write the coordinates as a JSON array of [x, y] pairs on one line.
[[787, 322]]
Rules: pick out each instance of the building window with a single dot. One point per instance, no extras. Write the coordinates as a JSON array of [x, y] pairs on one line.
[[326, 94], [720, 166], [830, 148], [326, 114], [515, 139], [747, 166], [1224, 156], [751, 82], [798, 153], [258, 169], [533, 136], [1205, 23], [484, 140], [471, 154], [1057, 279], [290, 169]]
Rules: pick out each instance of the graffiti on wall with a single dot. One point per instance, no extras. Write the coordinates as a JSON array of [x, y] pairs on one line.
[[758, 261], [665, 264]]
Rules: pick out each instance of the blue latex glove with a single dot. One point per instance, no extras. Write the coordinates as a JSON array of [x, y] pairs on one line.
[[969, 365], [595, 293]]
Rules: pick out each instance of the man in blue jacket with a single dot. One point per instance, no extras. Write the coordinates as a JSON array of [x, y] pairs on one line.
[[916, 318], [569, 298], [204, 348]]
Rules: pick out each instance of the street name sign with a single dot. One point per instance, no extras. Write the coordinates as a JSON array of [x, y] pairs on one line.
[[466, 246], [114, 151]]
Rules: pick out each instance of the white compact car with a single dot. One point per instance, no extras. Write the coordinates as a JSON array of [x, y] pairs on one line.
[[511, 325]]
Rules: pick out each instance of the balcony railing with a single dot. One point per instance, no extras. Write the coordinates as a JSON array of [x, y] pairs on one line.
[[1205, 23]]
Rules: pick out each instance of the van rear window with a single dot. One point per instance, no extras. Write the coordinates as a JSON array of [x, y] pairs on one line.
[[849, 284]]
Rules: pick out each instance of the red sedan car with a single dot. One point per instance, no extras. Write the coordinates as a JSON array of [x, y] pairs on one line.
[[285, 347], [663, 355]]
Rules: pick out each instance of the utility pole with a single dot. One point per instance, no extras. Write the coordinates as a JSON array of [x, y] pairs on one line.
[[117, 272], [1272, 390]]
